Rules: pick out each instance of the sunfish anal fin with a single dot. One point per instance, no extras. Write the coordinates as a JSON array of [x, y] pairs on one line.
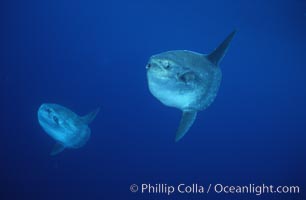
[[58, 148], [187, 120]]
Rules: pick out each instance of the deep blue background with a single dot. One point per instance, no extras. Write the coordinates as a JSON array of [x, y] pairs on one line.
[[85, 54]]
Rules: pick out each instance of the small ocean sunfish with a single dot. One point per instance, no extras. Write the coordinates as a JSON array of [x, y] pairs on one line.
[[186, 80], [67, 128]]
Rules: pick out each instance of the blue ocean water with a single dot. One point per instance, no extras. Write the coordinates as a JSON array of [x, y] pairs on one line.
[[89, 54]]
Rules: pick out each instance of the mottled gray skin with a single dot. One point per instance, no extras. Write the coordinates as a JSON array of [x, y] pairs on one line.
[[67, 128], [183, 79], [186, 80]]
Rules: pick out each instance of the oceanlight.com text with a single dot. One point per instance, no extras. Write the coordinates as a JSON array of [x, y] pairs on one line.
[[196, 188]]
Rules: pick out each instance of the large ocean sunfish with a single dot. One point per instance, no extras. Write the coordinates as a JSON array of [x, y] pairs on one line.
[[186, 80], [67, 128]]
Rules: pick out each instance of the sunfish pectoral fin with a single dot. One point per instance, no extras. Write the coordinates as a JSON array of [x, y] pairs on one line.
[[216, 56], [58, 148], [187, 120], [186, 76], [87, 119]]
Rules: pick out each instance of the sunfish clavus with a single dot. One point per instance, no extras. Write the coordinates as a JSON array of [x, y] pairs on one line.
[[67, 128], [186, 80]]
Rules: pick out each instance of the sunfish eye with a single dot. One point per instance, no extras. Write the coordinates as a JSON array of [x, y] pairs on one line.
[[48, 110], [166, 64], [55, 119], [148, 66]]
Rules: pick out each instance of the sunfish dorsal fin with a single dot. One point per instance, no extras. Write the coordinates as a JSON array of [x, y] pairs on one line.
[[87, 119], [187, 120], [58, 148], [216, 56]]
